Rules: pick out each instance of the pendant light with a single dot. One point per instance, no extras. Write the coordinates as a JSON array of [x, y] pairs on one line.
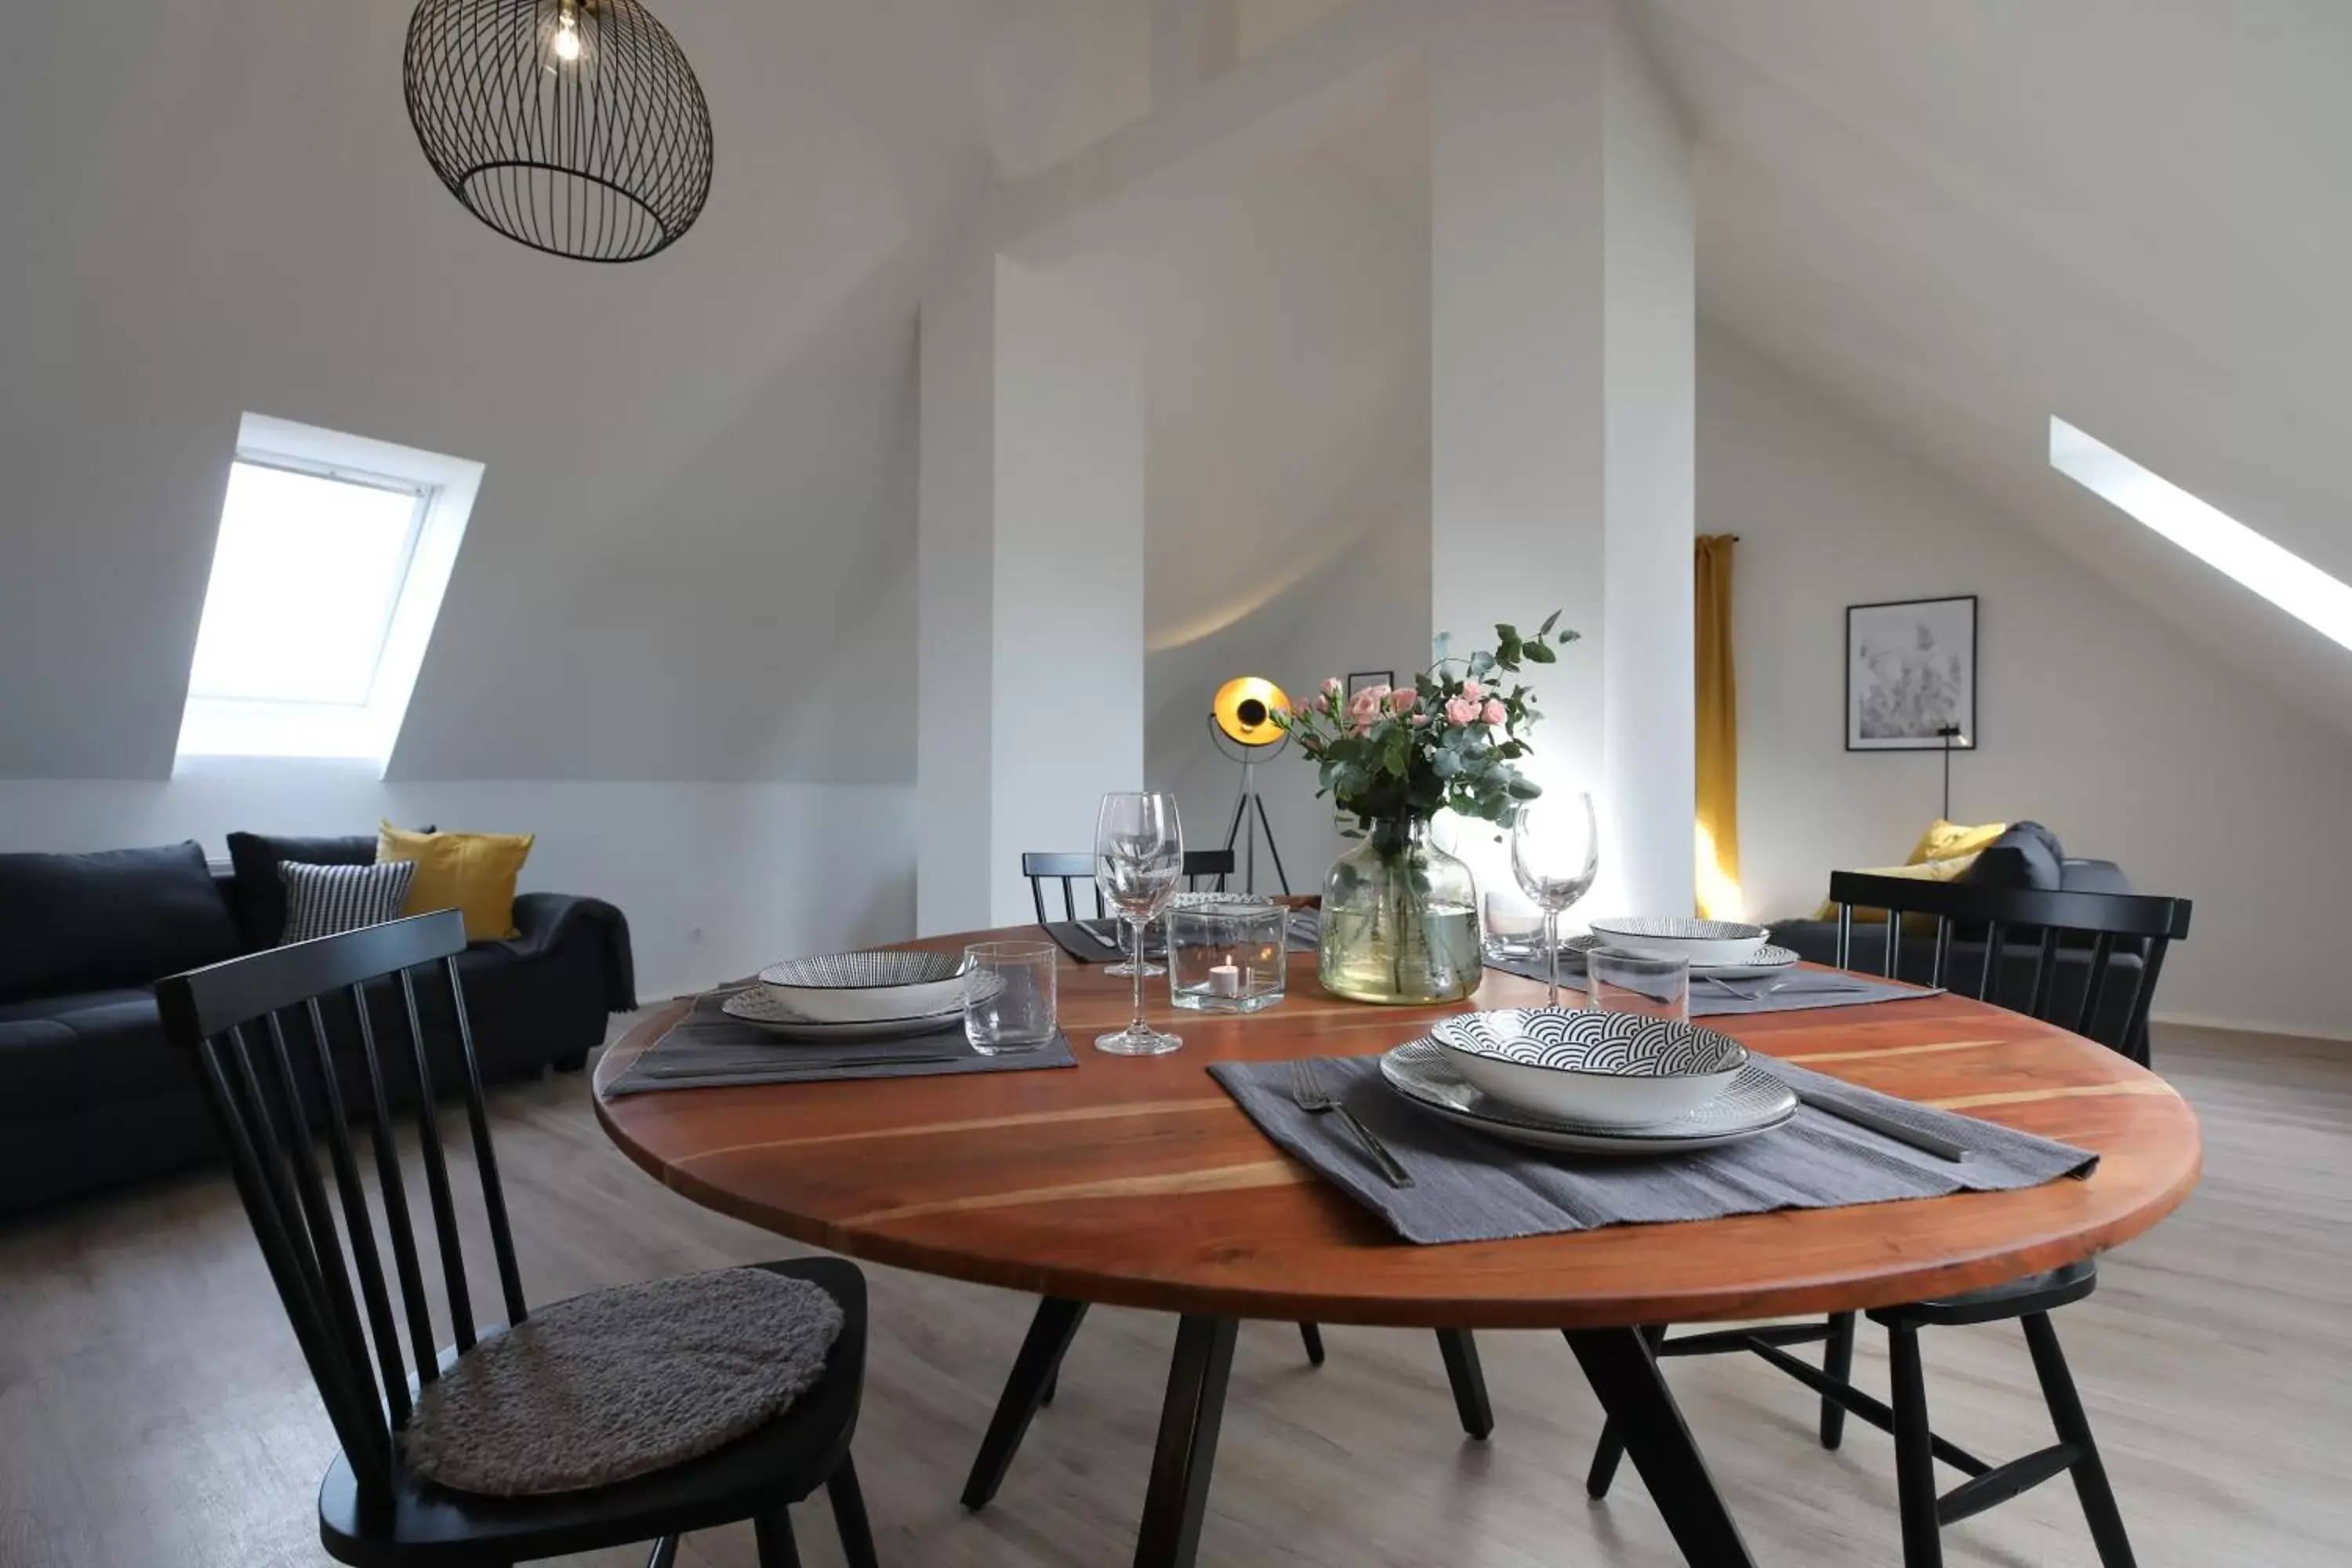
[[573, 126]]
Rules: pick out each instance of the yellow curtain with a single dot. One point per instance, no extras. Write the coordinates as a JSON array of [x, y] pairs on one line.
[[1718, 734]]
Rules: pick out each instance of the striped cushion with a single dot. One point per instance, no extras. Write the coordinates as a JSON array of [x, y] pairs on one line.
[[323, 900]]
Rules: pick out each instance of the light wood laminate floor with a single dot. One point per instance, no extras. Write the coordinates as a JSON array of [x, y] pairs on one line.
[[153, 1409]]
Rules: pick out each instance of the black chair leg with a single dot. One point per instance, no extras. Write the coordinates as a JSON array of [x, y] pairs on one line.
[[1053, 1386], [1312, 1337], [664, 1553], [2066, 1414], [774, 1533], [1032, 1377], [1468, 1377], [1914, 1453], [849, 1501], [1837, 1361]]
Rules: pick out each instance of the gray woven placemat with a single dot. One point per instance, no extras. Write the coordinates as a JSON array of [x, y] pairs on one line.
[[708, 1050], [1072, 938], [1471, 1187], [1796, 991]]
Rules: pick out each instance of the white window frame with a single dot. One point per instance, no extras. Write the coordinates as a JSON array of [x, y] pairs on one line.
[[2320, 601], [446, 489]]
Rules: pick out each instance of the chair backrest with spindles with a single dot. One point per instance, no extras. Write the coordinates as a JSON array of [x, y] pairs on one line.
[[2118, 926], [1200, 865], [268, 1034]]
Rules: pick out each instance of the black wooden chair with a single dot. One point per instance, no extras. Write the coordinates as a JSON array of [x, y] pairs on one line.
[[1208, 866], [276, 1040], [2096, 957], [2127, 935]]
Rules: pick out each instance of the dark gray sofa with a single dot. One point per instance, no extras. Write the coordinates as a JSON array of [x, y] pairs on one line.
[[2028, 856], [91, 1096]]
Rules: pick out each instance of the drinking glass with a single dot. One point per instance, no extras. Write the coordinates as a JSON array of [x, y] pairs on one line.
[[1139, 865], [1010, 992], [1514, 927], [1657, 985], [1555, 854]]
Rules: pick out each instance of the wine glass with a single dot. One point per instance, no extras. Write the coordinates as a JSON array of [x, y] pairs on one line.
[[1555, 854], [1139, 865], [1134, 964]]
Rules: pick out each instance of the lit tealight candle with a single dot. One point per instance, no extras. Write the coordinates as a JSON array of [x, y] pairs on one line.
[[1225, 979]]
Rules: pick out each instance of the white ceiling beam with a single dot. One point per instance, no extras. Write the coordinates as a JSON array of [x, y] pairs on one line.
[[1248, 106], [1192, 41]]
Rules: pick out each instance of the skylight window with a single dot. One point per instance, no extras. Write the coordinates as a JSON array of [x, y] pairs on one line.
[[334, 554], [2312, 596]]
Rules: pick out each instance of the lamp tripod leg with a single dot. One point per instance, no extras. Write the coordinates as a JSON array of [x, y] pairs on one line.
[[1279, 874]]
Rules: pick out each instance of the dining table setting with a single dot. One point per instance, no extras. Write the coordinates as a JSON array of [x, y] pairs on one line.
[[1401, 1104]]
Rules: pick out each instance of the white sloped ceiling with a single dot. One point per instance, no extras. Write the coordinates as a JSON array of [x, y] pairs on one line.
[[697, 490], [690, 558], [1956, 221]]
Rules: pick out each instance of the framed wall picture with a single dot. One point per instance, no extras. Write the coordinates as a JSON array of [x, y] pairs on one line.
[[1911, 673], [1359, 680]]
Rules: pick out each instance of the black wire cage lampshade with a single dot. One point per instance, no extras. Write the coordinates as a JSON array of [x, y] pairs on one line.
[[575, 126]]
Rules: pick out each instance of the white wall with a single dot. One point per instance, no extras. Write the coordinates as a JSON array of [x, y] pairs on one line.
[[716, 879], [1367, 610], [2125, 739]]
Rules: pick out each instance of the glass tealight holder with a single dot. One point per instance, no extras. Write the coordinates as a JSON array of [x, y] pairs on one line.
[[1227, 952]]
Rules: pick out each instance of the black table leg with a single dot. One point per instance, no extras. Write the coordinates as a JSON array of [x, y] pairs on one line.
[[1188, 1443], [1641, 1411], [1050, 1333], [1468, 1377]]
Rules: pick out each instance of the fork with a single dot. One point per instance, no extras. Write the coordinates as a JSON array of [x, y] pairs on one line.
[[1307, 1091]]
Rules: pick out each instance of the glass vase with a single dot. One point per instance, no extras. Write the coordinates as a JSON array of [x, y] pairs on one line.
[[1400, 921]]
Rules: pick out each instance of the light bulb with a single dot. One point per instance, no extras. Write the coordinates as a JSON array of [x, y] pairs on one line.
[[567, 39]]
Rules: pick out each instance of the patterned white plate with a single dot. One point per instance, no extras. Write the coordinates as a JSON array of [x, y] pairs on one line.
[[867, 987], [1573, 1039], [1595, 1069], [1769, 960], [762, 1008], [1755, 1103]]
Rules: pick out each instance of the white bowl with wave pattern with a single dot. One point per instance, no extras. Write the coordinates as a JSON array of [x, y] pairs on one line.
[[1679, 936], [1596, 1069]]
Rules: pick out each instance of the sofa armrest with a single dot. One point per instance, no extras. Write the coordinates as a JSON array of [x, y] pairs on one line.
[[547, 921]]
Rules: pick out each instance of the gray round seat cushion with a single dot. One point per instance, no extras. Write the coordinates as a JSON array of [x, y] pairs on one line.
[[622, 1383]]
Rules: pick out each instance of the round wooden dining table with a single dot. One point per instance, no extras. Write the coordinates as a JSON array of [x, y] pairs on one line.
[[1139, 1183]]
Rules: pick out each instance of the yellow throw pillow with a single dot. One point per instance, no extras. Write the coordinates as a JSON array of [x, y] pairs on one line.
[[1926, 871], [1945, 840], [474, 872]]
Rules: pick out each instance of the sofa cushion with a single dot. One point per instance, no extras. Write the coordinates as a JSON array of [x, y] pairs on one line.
[[258, 899], [261, 895], [92, 1049], [2027, 856], [120, 917], [2094, 877]]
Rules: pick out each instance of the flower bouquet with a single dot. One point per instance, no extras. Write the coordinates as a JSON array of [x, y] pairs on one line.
[[1399, 915]]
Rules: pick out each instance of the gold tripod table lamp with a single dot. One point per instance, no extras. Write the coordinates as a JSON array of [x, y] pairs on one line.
[[1242, 723]]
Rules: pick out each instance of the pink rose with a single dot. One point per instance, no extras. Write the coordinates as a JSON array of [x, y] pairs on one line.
[[1473, 691], [1331, 685], [1461, 711], [1421, 721], [1494, 713], [1402, 701]]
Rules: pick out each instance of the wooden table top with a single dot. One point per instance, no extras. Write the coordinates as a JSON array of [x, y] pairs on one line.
[[1137, 1182]]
